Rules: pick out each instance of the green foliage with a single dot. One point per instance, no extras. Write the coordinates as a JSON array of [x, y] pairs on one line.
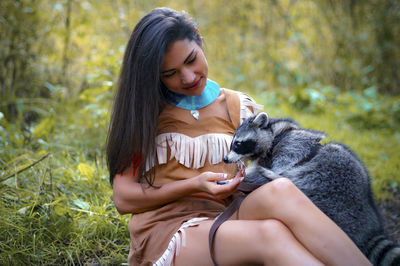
[[22, 69], [363, 110], [59, 66], [58, 210], [44, 128], [371, 111]]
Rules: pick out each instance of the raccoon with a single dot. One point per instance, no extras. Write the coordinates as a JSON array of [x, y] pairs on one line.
[[331, 175]]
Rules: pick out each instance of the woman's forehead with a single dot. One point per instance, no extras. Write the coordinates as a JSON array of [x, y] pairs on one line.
[[178, 52]]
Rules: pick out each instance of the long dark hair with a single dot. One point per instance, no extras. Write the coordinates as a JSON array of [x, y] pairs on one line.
[[139, 97]]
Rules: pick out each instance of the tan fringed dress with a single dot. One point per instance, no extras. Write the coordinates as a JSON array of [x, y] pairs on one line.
[[185, 148]]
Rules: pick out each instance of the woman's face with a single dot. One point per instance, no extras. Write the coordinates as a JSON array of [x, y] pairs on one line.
[[184, 69]]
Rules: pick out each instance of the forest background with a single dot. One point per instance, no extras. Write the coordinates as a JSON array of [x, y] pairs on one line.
[[332, 65]]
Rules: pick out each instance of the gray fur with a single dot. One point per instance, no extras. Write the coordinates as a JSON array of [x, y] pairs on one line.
[[331, 175]]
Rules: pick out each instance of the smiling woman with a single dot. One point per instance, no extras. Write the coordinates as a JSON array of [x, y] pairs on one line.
[[185, 68], [165, 164]]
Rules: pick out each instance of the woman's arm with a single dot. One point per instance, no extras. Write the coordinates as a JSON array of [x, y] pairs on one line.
[[132, 197]]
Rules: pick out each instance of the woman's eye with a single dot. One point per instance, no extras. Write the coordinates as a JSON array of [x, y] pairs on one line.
[[168, 75], [193, 59]]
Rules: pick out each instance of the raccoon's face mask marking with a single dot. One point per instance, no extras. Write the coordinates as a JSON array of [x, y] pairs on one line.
[[240, 149], [244, 147]]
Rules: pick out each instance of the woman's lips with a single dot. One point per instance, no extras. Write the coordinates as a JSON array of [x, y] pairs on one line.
[[194, 86]]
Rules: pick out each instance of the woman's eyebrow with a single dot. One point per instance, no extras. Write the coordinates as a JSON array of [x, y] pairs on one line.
[[187, 58], [185, 61]]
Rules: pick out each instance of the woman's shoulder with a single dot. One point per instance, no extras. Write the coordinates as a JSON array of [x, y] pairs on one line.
[[246, 104]]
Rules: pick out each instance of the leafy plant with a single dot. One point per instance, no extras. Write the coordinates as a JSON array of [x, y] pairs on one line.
[[295, 57]]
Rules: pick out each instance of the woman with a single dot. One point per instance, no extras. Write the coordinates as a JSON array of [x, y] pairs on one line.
[[170, 128]]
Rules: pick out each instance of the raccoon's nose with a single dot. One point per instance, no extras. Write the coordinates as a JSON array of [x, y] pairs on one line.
[[226, 160]]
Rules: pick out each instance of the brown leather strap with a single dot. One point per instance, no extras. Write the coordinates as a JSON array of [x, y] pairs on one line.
[[220, 219], [227, 213], [248, 187]]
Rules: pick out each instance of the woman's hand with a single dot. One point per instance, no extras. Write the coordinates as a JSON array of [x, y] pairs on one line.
[[132, 197], [207, 182]]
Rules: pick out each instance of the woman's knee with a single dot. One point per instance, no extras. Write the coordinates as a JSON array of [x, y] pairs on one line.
[[281, 186], [249, 241], [278, 190], [285, 193], [272, 236], [272, 200], [283, 190], [271, 230]]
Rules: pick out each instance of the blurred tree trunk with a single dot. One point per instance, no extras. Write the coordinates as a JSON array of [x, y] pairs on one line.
[[65, 57], [17, 56], [367, 42], [387, 36]]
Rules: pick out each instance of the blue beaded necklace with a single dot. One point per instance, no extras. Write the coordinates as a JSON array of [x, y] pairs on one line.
[[194, 103]]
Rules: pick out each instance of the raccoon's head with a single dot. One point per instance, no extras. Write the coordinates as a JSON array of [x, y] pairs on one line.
[[251, 139]]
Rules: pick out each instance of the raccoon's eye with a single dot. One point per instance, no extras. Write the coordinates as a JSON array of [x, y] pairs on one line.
[[237, 144], [244, 147]]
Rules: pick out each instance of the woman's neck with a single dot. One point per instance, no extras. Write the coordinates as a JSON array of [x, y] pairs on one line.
[[188, 102]]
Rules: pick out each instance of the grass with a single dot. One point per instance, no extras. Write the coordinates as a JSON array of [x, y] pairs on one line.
[[57, 208], [62, 216]]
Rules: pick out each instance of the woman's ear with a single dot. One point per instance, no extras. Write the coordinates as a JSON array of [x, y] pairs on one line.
[[197, 33]]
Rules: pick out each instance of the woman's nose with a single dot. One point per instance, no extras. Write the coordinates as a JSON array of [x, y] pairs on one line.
[[187, 76]]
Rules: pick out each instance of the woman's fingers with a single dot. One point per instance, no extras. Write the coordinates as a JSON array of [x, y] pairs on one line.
[[225, 188], [218, 184]]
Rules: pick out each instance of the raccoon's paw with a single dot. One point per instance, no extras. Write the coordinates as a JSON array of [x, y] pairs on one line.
[[269, 174], [249, 172], [259, 174]]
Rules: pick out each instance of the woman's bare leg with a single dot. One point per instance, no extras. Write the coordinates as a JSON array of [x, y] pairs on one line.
[[283, 201], [241, 242], [278, 225]]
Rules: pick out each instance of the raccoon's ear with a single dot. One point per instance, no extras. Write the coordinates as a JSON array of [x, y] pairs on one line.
[[261, 120]]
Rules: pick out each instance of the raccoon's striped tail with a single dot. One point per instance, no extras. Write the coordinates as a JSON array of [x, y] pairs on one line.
[[382, 251]]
